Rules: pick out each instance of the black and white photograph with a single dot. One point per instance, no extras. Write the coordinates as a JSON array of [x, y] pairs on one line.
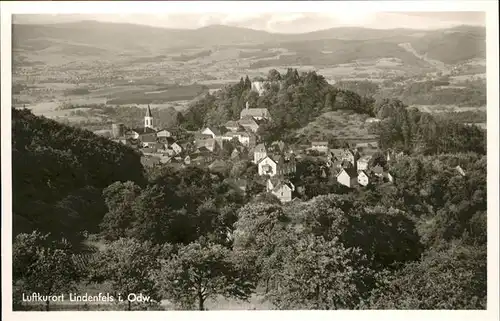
[[250, 160]]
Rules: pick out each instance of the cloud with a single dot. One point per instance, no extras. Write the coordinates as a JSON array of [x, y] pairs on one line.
[[279, 22]]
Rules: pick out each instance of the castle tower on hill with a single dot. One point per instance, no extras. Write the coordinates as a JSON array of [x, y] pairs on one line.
[[148, 119]]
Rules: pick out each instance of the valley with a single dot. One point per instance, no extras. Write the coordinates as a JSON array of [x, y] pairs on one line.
[[82, 63]]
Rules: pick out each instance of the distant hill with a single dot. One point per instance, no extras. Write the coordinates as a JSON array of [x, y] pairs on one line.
[[451, 46]]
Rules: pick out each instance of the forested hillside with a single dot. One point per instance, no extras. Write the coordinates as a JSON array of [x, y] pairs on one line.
[[58, 174], [293, 100]]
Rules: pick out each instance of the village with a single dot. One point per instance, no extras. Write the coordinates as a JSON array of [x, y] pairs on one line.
[[276, 162]]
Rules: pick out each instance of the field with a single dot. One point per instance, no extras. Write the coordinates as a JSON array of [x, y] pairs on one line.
[[89, 64]]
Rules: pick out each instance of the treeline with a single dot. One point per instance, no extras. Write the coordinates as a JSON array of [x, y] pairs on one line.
[[58, 173], [167, 94], [439, 93], [333, 52], [412, 131], [292, 99], [185, 58]]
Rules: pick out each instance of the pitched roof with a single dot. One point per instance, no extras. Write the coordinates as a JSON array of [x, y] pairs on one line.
[[319, 144], [363, 172], [378, 169], [148, 139], [148, 112], [255, 112], [232, 124], [350, 171], [365, 158], [214, 130], [143, 130], [260, 148], [280, 183], [247, 120]]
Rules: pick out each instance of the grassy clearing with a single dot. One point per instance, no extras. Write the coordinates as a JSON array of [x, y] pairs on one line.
[[341, 124]]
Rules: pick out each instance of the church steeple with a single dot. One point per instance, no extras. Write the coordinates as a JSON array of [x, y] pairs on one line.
[[148, 119]]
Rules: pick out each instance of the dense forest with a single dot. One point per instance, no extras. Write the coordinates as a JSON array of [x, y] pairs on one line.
[[87, 215]]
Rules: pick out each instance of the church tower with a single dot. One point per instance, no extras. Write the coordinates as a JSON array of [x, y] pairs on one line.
[[148, 119]]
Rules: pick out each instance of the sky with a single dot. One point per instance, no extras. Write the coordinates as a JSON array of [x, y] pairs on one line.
[[278, 22]]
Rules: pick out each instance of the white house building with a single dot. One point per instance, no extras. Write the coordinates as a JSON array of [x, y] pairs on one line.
[[321, 147], [363, 178], [282, 189], [260, 152], [348, 177], [211, 132], [276, 165]]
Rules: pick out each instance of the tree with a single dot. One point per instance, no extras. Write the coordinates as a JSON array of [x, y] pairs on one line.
[[378, 159], [199, 271], [43, 266], [273, 75], [321, 274], [385, 235], [130, 266], [260, 235], [448, 278], [120, 200]]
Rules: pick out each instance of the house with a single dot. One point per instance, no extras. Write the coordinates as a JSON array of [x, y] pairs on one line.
[[201, 159], [148, 150], [257, 113], [460, 170], [335, 153], [163, 133], [278, 147], [249, 123], [123, 141], [211, 144], [348, 177], [246, 139], [363, 178], [233, 126], [259, 152], [282, 189], [164, 159], [148, 140], [392, 155], [367, 145], [320, 147], [350, 156], [388, 177], [235, 154], [334, 158], [200, 136], [211, 132], [372, 120], [363, 162], [138, 133], [176, 148], [273, 165], [218, 165], [187, 160]]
